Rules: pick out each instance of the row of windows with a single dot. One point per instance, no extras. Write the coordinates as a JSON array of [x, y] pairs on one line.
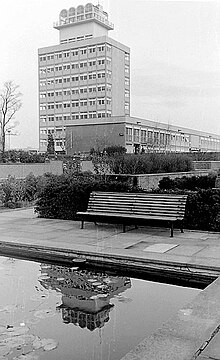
[[78, 38], [127, 57], [75, 65], [127, 106], [75, 116], [82, 77], [80, 90], [75, 103], [208, 140], [153, 137], [127, 93], [127, 82], [57, 131], [59, 143], [75, 52]]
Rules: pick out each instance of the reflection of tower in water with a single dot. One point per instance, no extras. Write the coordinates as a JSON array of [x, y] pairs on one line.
[[85, 294]]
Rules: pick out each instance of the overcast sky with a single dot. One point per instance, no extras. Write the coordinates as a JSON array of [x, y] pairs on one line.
[[175, 58]]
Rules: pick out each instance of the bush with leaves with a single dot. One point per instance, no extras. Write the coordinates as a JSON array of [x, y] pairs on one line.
[[12, 192], [142, 163], [17, 193], [189, 183], [203, 210], [22, 156], [63, 195]]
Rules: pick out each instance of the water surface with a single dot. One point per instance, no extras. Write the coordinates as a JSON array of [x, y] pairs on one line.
[[53, 312]]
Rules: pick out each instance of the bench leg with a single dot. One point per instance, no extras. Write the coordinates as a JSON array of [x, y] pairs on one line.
[[124, 228], [171, 229], [82, 223], [95, 223]]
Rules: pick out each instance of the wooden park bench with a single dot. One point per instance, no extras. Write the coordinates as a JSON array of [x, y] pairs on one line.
[[135, 208]]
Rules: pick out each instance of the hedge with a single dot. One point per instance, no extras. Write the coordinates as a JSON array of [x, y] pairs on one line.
[[188, 183], [14, 193], [146, 163], [203, 210], [62, 196]]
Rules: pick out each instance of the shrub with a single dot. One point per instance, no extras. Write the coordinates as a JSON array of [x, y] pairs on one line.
[[189, 183], [146, 163], [23, 157], [15, 192], [62, 196], [203, 210], [30, 187], [12, 192]]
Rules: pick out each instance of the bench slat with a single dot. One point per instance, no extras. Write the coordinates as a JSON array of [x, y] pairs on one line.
[[151, 215], [143, 211], [171, 218]]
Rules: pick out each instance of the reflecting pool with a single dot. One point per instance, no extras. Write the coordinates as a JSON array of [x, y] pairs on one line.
[[61, 313]]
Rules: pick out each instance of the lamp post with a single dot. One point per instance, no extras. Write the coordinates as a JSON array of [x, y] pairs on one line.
[[9, 135]]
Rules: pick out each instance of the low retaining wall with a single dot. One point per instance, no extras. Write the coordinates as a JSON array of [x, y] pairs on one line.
[[151, 181], [21, 170]]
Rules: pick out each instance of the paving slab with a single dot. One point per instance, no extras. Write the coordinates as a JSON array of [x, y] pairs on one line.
[[160, 248], [188, 250], [210, 251]]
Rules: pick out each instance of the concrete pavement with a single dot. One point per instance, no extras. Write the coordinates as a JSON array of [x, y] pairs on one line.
[[193, 332]]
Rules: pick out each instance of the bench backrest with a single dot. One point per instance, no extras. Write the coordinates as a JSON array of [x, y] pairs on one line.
[[159, 205]]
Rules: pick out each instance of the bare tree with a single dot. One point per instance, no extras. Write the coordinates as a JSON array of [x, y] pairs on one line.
[[10, 103]]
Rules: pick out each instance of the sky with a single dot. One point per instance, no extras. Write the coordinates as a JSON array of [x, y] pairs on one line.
[[175, 58]]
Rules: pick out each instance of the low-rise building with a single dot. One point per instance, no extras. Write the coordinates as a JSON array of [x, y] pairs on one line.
[[136, 135]]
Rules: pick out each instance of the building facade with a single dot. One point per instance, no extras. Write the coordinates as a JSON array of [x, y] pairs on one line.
[[85, 76], [137, 135]]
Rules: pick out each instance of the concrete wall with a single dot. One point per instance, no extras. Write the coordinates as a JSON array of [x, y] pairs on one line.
[[85, 137], [151, 181], [118, 82], [21, 170]]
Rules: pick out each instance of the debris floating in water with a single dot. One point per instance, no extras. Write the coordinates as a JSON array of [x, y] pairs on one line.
[[79, 260]]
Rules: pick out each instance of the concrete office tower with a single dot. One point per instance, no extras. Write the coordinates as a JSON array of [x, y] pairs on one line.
[[86, 76]]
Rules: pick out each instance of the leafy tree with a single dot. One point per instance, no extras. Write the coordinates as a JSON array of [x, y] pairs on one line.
[[50, 144], [10, 103]]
